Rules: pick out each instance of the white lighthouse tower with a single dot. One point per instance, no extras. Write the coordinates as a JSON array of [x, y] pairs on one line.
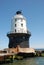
[[19, 34], [18, 23]]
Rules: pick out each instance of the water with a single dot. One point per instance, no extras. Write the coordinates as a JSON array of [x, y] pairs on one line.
[[29, 61]]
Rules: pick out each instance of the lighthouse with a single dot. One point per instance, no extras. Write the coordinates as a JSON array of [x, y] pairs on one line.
[[19, 34]]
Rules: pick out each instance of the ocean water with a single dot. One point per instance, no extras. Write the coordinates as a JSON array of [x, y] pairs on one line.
[[28, 61]]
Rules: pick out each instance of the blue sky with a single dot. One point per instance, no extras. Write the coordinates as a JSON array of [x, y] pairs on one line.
[[33, 10]]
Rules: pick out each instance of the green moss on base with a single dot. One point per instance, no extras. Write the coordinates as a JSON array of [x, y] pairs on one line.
[[42, 54]]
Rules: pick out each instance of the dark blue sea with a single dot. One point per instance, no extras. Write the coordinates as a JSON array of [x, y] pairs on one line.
[[40, 49], [29, 61]]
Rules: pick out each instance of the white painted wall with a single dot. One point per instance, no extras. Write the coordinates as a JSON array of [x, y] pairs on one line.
[[20, 19]]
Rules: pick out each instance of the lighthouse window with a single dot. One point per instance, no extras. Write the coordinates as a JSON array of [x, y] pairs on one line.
[[15, 25], [23, 37], [15, 20], [22, 25], [15, 30]]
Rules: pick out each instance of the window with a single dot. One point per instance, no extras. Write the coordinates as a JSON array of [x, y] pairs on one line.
[[23, 37], [15, 20], [15, 30], [22, 25], [15, 25]]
